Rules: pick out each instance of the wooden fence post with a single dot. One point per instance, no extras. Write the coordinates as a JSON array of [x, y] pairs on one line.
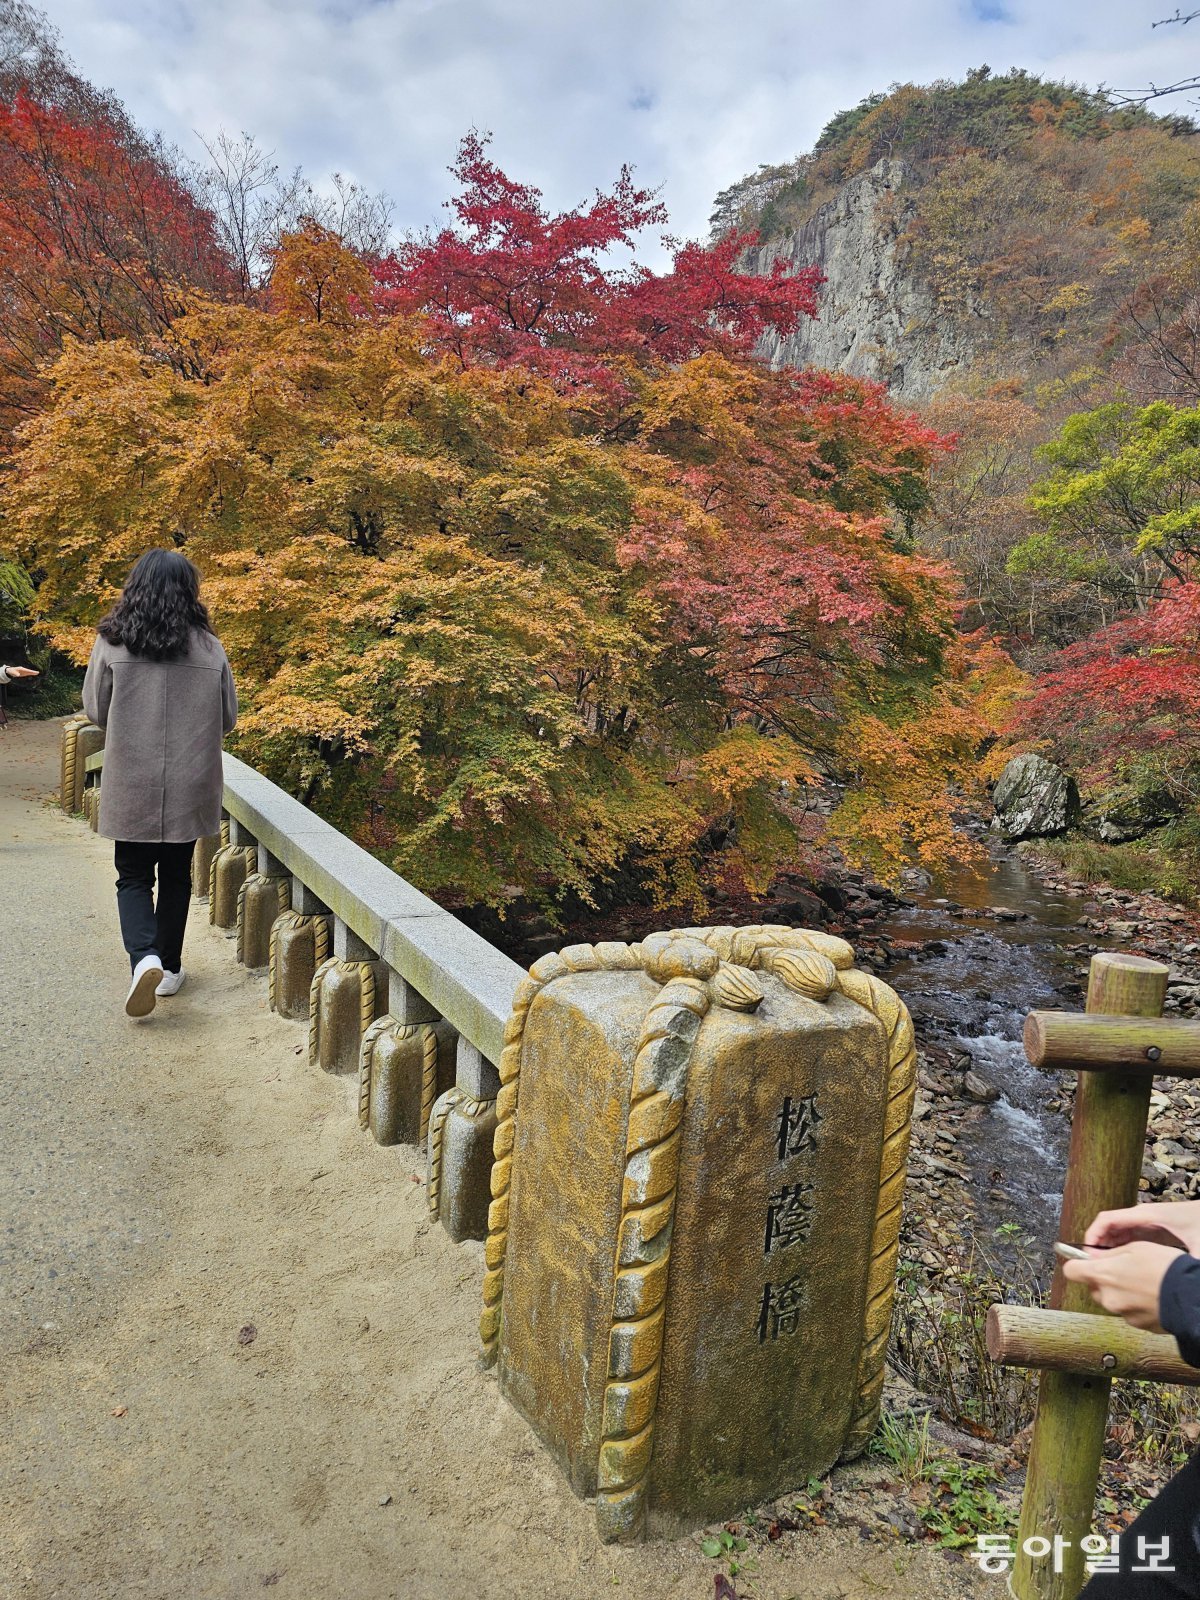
[[1108, 1135]]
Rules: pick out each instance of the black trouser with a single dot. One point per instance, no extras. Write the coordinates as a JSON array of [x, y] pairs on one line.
[[146, 928], [1174, 1515]]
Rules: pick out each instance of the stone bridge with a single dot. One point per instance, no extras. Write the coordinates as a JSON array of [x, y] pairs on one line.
[[241, 1335]]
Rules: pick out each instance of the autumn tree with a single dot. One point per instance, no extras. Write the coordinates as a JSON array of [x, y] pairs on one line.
[[1123, 705], [496, 646], [98, 240], [512, 285]]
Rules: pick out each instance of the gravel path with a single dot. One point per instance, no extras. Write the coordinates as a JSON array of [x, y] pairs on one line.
[[235, 1354]]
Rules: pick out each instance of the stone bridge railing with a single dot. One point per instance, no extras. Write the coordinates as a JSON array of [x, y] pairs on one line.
[[687, 1154], [392, 986]]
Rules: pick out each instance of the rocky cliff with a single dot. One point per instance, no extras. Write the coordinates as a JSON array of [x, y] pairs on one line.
[[877, 319]]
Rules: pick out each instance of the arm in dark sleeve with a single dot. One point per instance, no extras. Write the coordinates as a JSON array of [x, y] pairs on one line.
[[97, 686], [1179, 1306], [229, 703]]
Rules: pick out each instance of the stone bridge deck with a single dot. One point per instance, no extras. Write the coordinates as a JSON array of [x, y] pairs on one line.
[[236, 1353]]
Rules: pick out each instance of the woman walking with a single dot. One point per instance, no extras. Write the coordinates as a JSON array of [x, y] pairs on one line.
[[159, 684]]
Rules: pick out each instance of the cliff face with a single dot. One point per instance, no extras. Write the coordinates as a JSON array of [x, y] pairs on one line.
[[876, 319]]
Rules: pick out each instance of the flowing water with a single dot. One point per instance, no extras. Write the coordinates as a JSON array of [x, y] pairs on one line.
[[972, 994]]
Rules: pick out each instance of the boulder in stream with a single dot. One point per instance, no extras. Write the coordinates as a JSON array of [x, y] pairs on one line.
[[979, 1089], [1034, 799]]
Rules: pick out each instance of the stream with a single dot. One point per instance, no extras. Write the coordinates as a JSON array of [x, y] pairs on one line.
[[971, 994]]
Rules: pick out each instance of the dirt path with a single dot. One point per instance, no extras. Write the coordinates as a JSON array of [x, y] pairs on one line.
[[164, 1186]]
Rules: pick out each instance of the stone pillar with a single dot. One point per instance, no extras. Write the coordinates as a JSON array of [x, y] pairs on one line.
[[717, 1120], [91, 806], [231, 865], [348, 992], [79, 741], [462, 1131], [68, 752], [406, 1060], [262, 900], [202, 858], [300, 942]]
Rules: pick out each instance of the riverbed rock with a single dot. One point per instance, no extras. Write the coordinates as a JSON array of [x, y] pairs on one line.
[[979, 1089], [1127, 813], [1034, 799]]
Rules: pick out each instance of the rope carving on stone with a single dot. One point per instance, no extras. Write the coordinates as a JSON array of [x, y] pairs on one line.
[[69, 751], [273, 958], [240, 924], [429, 1066], [366, 1066], [454, 1099], [697, 966], [366, 992], [364, 971], [314, 1008], [878, 998], [401, 1031]]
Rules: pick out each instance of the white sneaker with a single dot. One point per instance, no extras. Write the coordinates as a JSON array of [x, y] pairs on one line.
[[147, 975], [171, 983]]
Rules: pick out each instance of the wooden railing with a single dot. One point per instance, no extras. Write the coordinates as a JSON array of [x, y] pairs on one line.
[[1117, 1048]]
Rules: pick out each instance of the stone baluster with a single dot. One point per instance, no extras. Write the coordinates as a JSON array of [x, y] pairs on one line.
[[202, 859], [462, 1129], [91, 806], [264, 896], [299, 943], [68, 756], [231, 865], [348, 992], [80, 739], [406, 1060]]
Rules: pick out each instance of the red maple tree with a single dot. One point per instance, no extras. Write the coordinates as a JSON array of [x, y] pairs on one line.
[[513, 285], [98, 240], [1129, 694]]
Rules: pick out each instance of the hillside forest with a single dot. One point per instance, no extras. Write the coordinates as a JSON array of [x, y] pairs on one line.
[[536, 579]]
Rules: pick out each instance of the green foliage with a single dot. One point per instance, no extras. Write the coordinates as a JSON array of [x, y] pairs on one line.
[[1166, 862], [722, 1544], [956, 1500], [1128, 477], [1045, 555], [16, 595]]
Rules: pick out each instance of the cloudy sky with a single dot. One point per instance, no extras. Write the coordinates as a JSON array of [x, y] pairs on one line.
[[695, 93]]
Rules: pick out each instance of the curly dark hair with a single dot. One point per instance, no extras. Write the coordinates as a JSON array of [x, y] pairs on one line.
[[159, 607]]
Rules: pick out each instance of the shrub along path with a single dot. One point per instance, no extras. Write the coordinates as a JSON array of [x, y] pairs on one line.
[[236, 1354]]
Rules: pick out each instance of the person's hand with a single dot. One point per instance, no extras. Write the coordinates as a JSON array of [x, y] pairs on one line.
[[22, 672], [1126, 1281], [1174, 1222]]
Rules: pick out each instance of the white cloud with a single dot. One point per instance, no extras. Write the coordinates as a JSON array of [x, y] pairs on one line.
[[695, 93]]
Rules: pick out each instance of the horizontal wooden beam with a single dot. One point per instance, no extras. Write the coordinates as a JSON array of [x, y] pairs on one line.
[[1075, 1341], [1091, 1042]]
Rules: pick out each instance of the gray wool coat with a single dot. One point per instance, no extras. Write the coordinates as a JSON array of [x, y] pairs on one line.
[[163, 723]]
